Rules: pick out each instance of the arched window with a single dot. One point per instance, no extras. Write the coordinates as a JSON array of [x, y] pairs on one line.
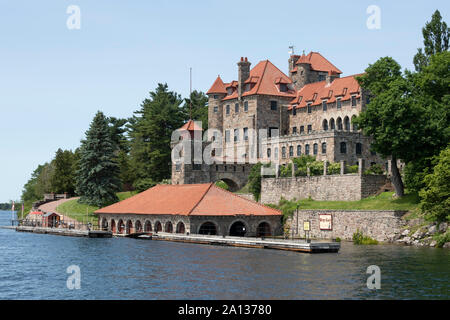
[[325, 125], [283, 152], [291, 151], [347, 124], [315, 148], [299, 150], [339, 123], [138, 226], [208, 228], [332, 124], [148, 226], [307, 149], [324, 148], [269, 153], [343, 147]]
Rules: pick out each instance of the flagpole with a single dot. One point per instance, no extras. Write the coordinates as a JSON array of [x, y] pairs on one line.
[[12, 214]]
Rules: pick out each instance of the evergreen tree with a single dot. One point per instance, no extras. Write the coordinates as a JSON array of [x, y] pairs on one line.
[[150, 132], [435, 40], [63, 176], [98, 173], [199, 108]]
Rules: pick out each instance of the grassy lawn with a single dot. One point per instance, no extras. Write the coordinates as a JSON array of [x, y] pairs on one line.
[[83, 212], [382, 202]]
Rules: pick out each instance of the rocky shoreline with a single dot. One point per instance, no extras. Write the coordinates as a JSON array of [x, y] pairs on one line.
[[418, 233]]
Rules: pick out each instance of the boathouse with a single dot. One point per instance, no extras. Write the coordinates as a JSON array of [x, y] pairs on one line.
[[190, 209]]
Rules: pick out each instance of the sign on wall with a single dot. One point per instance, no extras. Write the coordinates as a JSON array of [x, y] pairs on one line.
[[326, 222], [306, 226]]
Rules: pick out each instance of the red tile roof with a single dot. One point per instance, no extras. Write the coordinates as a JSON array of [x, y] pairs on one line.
[[187, 200], [343, 88], [191, 126], [264, 77], [317, 62], [218, 87]]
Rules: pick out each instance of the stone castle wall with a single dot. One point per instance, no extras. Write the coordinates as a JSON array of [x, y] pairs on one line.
[[380, 225], [348, 187]]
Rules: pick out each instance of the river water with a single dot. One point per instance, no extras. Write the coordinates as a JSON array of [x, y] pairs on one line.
[[35, 267]]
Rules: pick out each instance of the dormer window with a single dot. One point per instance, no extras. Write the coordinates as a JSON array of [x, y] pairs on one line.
[[230, 91], [216, 97], [283, 87], [315, 96]]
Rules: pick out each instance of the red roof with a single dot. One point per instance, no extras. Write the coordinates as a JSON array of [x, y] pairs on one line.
[[36, 212], [191, 126], [218, 87], [342, 88], [317, 62], [265, 78], [189, 200]]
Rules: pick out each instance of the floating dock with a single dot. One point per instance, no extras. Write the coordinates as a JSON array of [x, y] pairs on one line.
[[66, 232], [275, 244]]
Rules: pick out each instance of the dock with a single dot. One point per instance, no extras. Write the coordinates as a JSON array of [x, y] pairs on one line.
[[274, 244], [65, 232]]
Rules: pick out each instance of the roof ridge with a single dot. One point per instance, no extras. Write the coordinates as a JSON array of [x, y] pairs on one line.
[[248, 200], [203, 196], [262, 76]]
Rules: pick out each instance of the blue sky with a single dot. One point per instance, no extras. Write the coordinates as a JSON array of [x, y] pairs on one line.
[[53, 80]]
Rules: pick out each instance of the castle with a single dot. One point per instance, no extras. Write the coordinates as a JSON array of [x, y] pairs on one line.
[[267, 116]]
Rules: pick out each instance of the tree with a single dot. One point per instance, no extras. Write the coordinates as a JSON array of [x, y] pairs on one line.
[[63, 175], [254, 181], [435, 39], [436, 195], [150, 133], [199, 108], [98, 173]]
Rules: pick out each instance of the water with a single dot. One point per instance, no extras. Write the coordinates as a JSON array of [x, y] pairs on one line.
[[34, 267]]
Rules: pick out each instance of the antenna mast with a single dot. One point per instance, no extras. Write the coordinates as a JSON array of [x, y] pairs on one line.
[[190, 94]]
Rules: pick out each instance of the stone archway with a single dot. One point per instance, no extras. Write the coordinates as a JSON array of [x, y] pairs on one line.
[[263, 230], [138, 226], [169, 227], [232, 185], [158, 226], [113, 226], [104, 224], [120, 227], [129, 228], [181, 228], [148, 226], [208, 228], [238, 229]]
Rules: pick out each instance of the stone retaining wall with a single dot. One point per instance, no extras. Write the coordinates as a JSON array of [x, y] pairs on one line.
[[380, 225]]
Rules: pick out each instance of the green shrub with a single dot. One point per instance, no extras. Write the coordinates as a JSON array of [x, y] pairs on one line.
[[286, 171], [222, 185], [442, 239], [360, 239], [316, 168], [334, 168], [301, 172], [338, 239], [144, 184], [351, 169], [376, 169], [254, 181]]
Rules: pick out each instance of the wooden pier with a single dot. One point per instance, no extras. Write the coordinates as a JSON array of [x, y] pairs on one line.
[[275, 244]]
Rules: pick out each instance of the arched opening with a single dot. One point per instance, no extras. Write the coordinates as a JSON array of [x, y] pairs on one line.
[[120, 227], [339, 123], [181, 228], [113, 226], [347, 124], [169, 227], [138, 227], [228, 184], [332, 124], [263, 230], [148, 226], [238, 229], [325, 125], [129, 227], [208, 228], [104, 224], [158, 226]]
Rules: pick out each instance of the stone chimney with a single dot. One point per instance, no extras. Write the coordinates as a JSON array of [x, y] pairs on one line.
[[331, 76], [244, 74]]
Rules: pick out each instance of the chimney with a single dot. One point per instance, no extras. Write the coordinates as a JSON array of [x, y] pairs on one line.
[[243, 75], [331, 76]]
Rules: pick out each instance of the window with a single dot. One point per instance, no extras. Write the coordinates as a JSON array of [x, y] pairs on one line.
[[236, 108], [178, 167], [283, 152], [322, 77], [309, 128], [291, 151], [294, 130], [324, 105], [273, 105], [216, 97], [343, 147], [197, 167], [216, 109], [236, 135], [302, 129], [227, 136], [273, 132], [325, 125], [299, 150], [339, 103], [353, 101], [307, 149], [245, 106], [315, 149], [309, 108], [354, 124], [324, 148], [228, 109], [283, 87], [245, 134], [339, 124], [276, 154], [332, 124], [358, 148], [269, 153], [347, 124], [294, 111]]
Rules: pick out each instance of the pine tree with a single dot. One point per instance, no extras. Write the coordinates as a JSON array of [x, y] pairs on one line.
[[63, 175], [199, 108], [98, 173]]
